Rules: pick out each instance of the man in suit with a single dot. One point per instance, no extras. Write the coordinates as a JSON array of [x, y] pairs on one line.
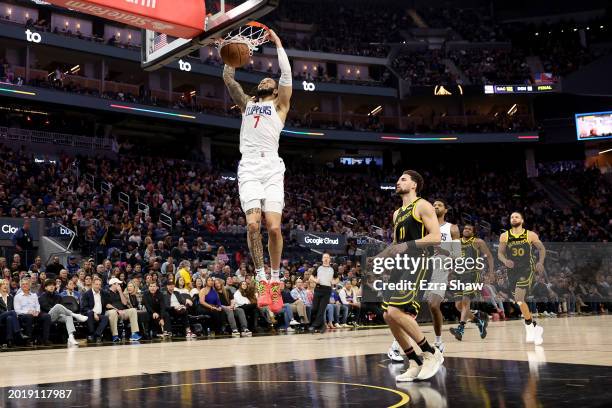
[[93, 305], [177, 307], [8, 315]]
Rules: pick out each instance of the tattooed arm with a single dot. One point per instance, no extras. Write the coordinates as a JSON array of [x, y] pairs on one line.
[[234, 88]]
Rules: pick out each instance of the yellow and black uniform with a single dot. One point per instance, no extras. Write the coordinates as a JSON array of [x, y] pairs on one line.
[[519, 251], [469, 250], [406, 227]]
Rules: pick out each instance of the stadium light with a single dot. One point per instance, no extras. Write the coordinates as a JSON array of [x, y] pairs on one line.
[[605, 151], [375, 111]]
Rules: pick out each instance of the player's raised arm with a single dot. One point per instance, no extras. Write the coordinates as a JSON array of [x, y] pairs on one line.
[[234, 88], [285, 83]]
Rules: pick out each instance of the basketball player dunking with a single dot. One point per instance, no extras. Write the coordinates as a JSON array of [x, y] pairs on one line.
[[519, 260], [401, 306], [471, 248], [261, 171], [449, 233]]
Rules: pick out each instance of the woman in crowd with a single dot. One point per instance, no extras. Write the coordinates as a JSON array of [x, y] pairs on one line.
[[245, 299], [199, 284], [180, 285], [232, 312], [210, 305], [133, 299], [81, 280]]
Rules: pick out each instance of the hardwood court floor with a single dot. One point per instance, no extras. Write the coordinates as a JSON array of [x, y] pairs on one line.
[[338, 368]]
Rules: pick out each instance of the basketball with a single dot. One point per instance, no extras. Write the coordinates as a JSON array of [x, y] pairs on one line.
[[235, 54]]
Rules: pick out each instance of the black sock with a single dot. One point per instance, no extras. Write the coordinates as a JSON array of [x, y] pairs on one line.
[[461, 324], [528, 322], [424, 345], [412, 355]]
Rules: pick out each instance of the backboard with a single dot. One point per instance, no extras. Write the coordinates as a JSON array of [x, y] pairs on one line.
[[222, 16]]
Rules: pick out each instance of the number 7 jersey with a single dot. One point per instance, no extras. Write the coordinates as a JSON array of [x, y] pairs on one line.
[[261, 128]]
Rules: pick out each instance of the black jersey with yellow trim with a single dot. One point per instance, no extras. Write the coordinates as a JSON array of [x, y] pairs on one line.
[[407, 226], [469, 250], [520, 249]]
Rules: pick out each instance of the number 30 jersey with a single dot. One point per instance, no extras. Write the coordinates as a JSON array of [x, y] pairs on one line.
[[519, 250], [261, 128]]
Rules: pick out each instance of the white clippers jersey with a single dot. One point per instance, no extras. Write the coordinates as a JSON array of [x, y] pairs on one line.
[[261, 128], [445, 231]]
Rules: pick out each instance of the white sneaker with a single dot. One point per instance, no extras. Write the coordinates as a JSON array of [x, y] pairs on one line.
[[537, 332], [431, 364], [72, 341], [394, 353], [235, 333], [552, 314], [440, 346], [411, 373], [529, 333], [344, 325], [294, 322], [290, 329], [81, 318], [337, 326], [246, 333]]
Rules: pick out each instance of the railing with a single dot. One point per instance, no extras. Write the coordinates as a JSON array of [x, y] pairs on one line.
[[125, 199], [165, 220], [106, 188], [54, 138]]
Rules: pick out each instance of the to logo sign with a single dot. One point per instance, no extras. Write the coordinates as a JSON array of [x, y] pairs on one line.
[[9, 229], [145, 3], [33, 37], [308, 86], [184, 66]]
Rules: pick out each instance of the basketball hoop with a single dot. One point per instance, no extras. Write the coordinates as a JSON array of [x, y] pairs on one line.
[[252, 34]]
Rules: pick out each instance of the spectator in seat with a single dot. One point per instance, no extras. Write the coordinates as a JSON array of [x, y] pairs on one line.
[[232, 312], [73, 266], [300, 293], [349, 296], [117, 309], [51, 303], [134, 299], [177, 307], [210, 304], [93, 305], [154, 305], [199, 284], [8, 315], [184, 271], [28, 311], [71, 291], [54, 268], [246, 300], [297, 305]]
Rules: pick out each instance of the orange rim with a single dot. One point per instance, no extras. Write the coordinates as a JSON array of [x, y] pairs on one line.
[[258, 24]]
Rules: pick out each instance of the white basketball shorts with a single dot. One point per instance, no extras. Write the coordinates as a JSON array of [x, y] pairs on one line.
[[261, 182], [439, 275]]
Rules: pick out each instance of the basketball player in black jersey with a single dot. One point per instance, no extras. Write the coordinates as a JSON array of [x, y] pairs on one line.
[[415, 229], [515, 251], [471, 248]]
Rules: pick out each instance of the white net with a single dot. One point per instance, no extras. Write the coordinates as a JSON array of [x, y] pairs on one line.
[[253, 34]]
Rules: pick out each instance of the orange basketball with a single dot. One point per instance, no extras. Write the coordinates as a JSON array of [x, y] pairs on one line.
[[235, 54]]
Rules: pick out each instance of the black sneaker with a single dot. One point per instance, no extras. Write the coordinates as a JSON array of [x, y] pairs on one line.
[[457, 332], [482, 323]]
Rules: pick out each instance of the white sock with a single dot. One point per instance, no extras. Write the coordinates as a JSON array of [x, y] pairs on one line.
[[260, 274], [438, 339], [275, 275]]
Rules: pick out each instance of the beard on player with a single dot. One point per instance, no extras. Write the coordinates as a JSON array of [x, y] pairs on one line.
[[440, 208], [516, 220], [267, 87], [468, 231]]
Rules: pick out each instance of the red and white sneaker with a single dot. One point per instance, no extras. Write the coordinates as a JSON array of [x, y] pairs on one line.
[[276, 297], [263, 293]]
